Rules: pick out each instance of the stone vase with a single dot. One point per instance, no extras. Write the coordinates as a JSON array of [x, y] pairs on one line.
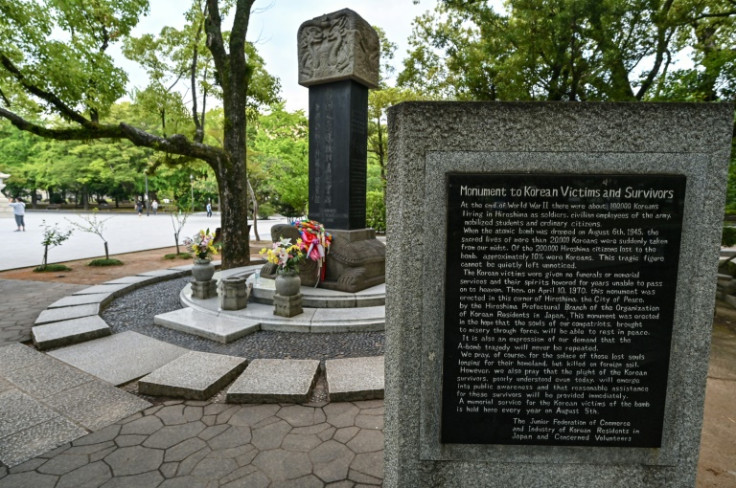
[[288, 283], [203, 270]]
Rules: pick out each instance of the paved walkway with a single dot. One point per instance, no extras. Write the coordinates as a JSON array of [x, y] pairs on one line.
[[177, 443], [123, 232], [214, 444]]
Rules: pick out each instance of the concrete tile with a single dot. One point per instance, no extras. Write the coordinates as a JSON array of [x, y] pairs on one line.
[[223, 329], [67, 313], [37, 439], [19, 411], [69, 332], [362, 319], [275, 381], [163, 273], [17, 356], [114, 290], [133, 281], [96, 404], [355, 378], [119, 358], [194, 375], [47, 378], [73, 300]]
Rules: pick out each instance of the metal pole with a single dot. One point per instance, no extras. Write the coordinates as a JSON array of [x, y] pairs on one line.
[[148, 206], [191, 187]]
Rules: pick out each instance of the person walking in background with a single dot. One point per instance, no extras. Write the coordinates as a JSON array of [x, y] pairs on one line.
[[19, 212], [154, 206], [209, 208], [139, 207]]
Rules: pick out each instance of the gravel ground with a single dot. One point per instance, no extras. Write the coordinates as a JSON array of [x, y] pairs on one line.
[[135, 311]]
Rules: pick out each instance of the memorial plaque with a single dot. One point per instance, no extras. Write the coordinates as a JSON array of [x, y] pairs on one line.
[[559, 308]]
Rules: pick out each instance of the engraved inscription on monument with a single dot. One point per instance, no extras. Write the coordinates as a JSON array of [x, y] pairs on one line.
[[560, 294]]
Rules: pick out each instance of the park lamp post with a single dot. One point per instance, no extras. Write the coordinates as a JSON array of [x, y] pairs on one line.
[[145, 197], [191, 188]]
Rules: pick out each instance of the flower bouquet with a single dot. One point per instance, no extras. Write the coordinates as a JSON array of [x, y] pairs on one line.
[[316, 241], [202, 245], [285, 255]]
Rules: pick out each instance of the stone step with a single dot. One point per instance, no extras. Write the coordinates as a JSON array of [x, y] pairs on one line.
[[68, 332], [218, 328], [194, 375], [275, 381], [264, 290], [355, 379], [67, 313], [119, 358]]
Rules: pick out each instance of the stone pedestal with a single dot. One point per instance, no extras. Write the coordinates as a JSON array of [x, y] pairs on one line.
[[234, 293], [356, 261], [204, 289], [5, 209], [338, 61], [287, 306]]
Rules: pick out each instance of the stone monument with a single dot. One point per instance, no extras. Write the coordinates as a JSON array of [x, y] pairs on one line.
[[560, 335], [338, 60], [5, 209]]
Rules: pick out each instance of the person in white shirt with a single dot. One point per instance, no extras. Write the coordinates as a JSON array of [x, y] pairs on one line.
[[19, 211]]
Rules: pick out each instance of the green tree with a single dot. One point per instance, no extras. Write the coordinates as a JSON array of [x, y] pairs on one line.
[[566, 49], [280, 160], [76, 79]]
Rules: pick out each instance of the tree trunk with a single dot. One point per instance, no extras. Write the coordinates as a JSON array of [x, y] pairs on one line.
[[233, 217]]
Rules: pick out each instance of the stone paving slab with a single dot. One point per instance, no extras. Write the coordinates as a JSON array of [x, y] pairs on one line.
[[164, 274], [275, 381], [47, 378], [132, 281], [222, 329], [96, 404], [355, 378], [113, 290], [36, 440], [22, 302], [67, 313], [73, 300], [119, 358], [17, 356], [194, 375], [69, 332]]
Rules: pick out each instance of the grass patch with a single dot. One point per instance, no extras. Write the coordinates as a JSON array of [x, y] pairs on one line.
[[51, 268], [181, 255], [106, 262]]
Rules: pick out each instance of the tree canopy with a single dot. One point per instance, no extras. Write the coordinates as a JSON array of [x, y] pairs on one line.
[[58, 81], [575, 50]]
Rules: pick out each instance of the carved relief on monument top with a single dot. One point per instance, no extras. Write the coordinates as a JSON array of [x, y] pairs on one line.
[[338, 46]]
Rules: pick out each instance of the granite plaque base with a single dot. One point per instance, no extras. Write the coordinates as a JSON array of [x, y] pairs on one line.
[[574, 422]]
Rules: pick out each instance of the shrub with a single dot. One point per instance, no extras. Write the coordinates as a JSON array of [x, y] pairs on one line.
[[106, 262], [375, 210], [265, 210]]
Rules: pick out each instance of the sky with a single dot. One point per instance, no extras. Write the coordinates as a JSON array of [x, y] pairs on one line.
[[273, 28]]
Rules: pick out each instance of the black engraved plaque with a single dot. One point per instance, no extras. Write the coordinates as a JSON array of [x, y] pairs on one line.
[[560, 295]]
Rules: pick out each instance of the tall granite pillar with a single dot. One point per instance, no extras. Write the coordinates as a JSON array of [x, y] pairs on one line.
[[338, 61]]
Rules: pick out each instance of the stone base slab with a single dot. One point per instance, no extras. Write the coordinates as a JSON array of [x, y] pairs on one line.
[[69, 332], [355, 379], [275, 381], [194, 375]]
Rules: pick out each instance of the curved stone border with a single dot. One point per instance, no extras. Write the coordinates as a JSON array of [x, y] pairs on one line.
[[75, 319]]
